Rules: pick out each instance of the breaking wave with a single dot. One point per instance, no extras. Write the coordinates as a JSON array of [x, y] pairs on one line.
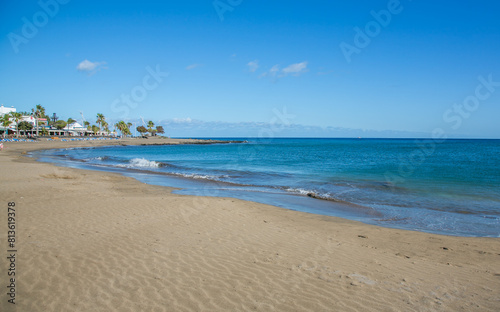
[[142, 163]]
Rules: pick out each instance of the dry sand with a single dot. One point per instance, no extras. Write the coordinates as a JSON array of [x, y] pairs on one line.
[[95, 241]]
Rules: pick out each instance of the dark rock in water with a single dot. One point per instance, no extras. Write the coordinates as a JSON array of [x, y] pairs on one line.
[[316, 196]]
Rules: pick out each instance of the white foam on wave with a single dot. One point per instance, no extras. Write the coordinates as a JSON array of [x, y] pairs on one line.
[[95, 159], [99, 158], [300, 191], [142, 163], [200, 176]]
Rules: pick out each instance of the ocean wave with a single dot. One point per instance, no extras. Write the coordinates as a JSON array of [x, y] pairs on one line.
[[98, 158], [299, 191], [142, 163], [201, 176]]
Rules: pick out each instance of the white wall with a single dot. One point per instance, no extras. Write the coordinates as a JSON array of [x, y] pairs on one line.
[[5, 110]]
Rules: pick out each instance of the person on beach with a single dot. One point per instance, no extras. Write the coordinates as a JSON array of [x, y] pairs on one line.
[[1, 146]]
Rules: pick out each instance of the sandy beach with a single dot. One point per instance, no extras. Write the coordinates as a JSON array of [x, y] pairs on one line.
[[97, 241]]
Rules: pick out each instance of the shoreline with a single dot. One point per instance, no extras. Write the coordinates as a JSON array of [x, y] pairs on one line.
[[102, 142], [93, 240], [305, 198]]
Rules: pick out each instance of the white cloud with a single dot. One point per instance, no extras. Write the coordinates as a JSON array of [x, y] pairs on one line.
[[253, 66], [192, 66], [274, 70], [90, 67], [295, 69]]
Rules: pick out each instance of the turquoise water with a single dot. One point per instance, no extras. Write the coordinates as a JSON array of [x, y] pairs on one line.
[[450, 187]]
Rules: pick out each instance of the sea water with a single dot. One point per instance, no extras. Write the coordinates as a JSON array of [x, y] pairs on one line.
[[448, 187]]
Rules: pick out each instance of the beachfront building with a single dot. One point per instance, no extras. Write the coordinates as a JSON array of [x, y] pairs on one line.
[[28, 119], [12, 127], [74, 129], [77, 129], [6, 110]]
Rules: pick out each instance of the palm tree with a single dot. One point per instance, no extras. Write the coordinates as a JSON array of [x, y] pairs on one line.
[[100, 120], [150, 126], [95, 129], [123, 127], [5, 121], [69, 122], [105, 127], [126, 128], [129, 124], [86, 124], [16, 117], [118, 127], [40, 109], [39, 112]]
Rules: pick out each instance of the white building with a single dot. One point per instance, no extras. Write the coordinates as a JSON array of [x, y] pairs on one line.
[[12, 127], [29, 119], [76, 129], [6, 110]]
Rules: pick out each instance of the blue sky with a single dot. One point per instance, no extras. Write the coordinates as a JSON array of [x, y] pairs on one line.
[[236, 67]]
